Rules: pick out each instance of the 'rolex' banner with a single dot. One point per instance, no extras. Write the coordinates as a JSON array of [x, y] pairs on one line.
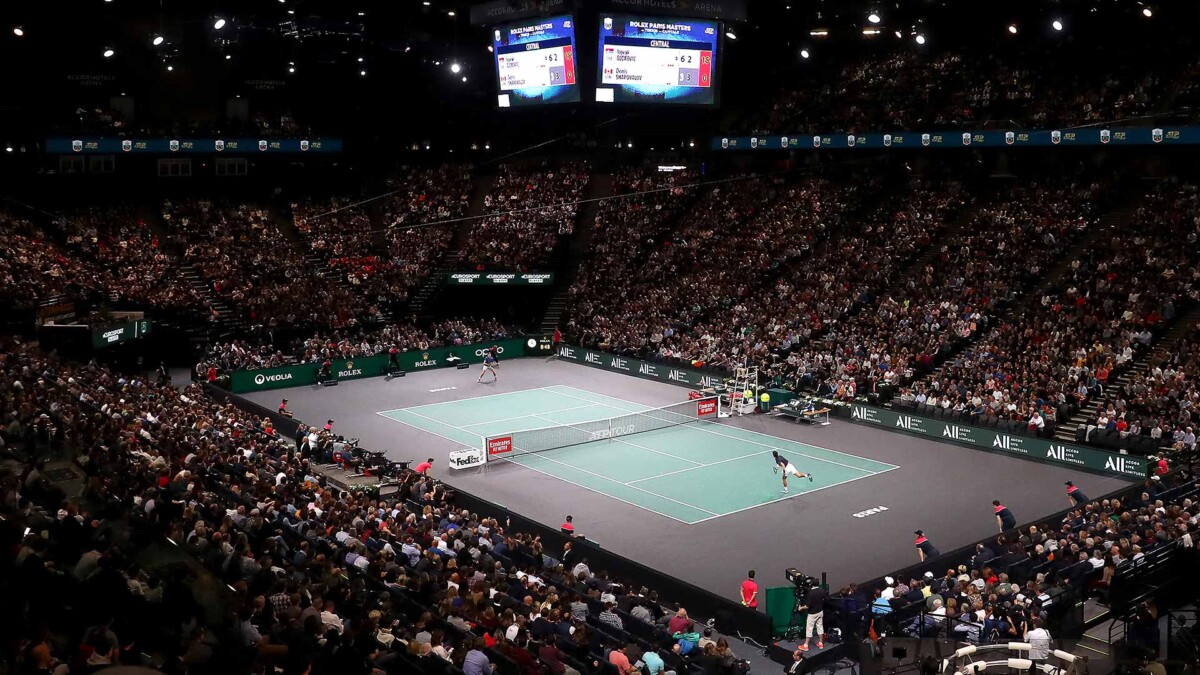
[[651, 371], [1028, 447], [302, 374]]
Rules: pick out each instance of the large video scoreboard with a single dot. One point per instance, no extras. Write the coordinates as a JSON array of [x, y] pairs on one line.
[[657, 60], [535, 62]]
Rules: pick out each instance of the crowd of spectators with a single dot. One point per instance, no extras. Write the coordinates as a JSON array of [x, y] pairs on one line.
[[418, 198], [1031, 578], [905, 89], [529, 212], [319, 580], [253, 266], [1071, 342], [1163, 400], [319, 347], [125, 258], [736, 234], [33, 267]]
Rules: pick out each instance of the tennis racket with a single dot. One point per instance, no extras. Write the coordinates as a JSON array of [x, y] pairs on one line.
[[775, 470]]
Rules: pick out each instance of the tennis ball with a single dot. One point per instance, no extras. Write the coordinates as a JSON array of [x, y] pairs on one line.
[[765, 397]]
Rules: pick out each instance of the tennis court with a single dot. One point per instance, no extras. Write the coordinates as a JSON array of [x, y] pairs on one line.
[[690, 472]]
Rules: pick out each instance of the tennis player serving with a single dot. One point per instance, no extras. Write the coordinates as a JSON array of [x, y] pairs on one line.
[[783, 464]]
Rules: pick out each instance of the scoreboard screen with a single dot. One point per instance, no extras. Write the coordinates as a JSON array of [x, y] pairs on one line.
[[535, 62], [649, 60]]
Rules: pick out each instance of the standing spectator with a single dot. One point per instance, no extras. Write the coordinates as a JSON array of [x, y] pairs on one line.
[[750, 591], [424, 467], [568, 526], [1039, 643]]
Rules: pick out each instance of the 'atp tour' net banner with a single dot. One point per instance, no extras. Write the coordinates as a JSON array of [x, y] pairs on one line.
[[1028, 447], [1179, 135], [651, 371]]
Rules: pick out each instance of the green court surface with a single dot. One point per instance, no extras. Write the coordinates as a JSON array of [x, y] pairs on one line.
[[690, 473]]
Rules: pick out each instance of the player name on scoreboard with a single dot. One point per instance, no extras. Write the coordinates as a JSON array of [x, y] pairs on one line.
[[668, 63], [545, 63]]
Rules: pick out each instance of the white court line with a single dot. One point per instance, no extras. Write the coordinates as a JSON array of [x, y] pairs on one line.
[[635, 445], [798, 494], [513, 460], [702, 466], [613, 480], [462, 400], [758, 433], [521, 417], [444, 424]]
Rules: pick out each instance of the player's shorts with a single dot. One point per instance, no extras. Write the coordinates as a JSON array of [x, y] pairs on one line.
[[488, 366], [791, 470]]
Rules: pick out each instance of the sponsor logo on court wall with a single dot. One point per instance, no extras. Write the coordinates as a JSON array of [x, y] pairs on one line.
[[274, 377]]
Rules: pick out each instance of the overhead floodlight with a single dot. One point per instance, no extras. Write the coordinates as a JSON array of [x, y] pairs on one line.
[[898, 34], [108, 53], [455, 68], [362, 73], [8, 148], [820, 32], [490, 48], [1057, 24], [873, 18], [291, 69], [804, 54], [871, 31], [219, 24], [360, 59], [920, 39], [731, 35], [158, 40], [1012, 28], [691, 144], [450, 13], [1147, 12], [228, 56], [18, 31], [170, 68], [464, 78]]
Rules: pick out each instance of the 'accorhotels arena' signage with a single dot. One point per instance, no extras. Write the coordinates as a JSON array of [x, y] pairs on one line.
[[502, 278], [651, 371], [1029, 447]]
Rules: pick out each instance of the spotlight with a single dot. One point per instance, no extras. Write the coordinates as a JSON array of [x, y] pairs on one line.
[[360, 59], [1012, 28], [691, 144], [362, 73], [455, 68], [731, 35], [426, 3], [170, 68], [490, 48], [219, 24], [920, 39], [464, 78], [282, 1], [450, 13], [820, 32], [1147, 12], [291, 69], [804, 54], [18, 31], [8, 148], [108, 53], [899, 34], [158, 40], [1057, 24], [487, 147], [228, 56], [873, 18]]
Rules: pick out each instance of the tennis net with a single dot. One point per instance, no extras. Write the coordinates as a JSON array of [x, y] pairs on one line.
[[566, 435]]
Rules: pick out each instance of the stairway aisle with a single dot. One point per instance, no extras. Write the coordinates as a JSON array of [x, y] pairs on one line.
[[600, 187], [449, 263], [1160, 350]]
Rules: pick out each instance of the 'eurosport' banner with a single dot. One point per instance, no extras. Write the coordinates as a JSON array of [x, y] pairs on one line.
[[171, 146], [302, 374], [1177, 135], [1027, 447], [651, 371], [106, 336], [501, 278]]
